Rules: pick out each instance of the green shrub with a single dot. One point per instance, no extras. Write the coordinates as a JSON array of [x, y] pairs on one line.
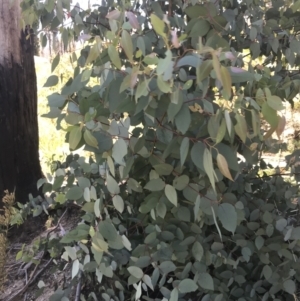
[[164, 97]]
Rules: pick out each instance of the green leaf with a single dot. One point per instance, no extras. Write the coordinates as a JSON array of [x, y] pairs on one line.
[[226, 80], [55, 62], [75, 268], [118, 203], [228, 217], [74, 193], [158, 25], [181, 182], [197, 251], [197, 154], [200, 28], [171, 194], [204, 70], [183, 119], [289, 286], [208, 167], [184, 149], [275, 102], [163, 169], [112, 185], [126, 44], [174, 295], [90, 139], [155, 185], [136, 272], [114, 56], [195, 11], [239, 75], [187, 85], [51, 81], [206, 281], [86, 75], [270, 115], [163, 86], [167, 267], [241, 127], [223, 166], [75, 137], [119, 150], [187, 286]]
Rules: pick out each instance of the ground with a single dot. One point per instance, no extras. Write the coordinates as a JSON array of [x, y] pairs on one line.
[[18, 274]]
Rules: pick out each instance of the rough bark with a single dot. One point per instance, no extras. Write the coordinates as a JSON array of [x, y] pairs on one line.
[[19, 144]]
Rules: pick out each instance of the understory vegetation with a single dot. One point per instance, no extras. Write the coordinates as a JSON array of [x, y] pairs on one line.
[[172, 105]]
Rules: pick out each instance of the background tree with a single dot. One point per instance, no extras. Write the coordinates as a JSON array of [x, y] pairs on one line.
[[169, 96], [19, 151]]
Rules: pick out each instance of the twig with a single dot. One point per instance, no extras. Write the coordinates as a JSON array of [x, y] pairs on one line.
[[78, 288]]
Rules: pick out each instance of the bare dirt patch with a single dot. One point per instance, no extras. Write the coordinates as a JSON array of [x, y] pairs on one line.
[[23, 278]]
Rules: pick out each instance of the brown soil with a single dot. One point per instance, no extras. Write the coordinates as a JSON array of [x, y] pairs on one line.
[[19, 274]]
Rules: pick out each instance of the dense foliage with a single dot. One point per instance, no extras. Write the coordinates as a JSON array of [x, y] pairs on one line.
[[168, 96]]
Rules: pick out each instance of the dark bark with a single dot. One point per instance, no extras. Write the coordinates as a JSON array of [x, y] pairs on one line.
[[19, 143]]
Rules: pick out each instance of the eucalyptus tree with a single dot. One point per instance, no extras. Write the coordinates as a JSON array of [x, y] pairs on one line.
[[19, 144]]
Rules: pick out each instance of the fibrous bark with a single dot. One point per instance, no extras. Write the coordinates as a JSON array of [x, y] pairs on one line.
[[19, 145]]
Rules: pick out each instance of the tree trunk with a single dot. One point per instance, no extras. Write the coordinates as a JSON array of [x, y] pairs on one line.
[[19, 143]]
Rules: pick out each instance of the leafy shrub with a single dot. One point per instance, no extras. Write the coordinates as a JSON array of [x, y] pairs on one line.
[[169, 208]]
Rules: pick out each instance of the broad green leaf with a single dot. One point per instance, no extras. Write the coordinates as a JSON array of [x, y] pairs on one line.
[[241, 127], [163, 86], [114, 56], [275, 102], [217, 67], [195, 11], [239, 75], [289, 286], [174, 294], [208, 167], [187, 286], [228, 217], [118, 203], [187, 85], [51, 81], [163, 169], [223, 166], [86, 75], [136, 272], [75, 268], [171, 194], [74, 193], [206, 281], [147, 280], [226, 81], [155, 185], [112, 185], [158, 25], [90, 139], [181, 182], [75, 137], [126, 44], [119, 150], [200, 28], [184, 149], [259, 242], [270, 115], [197, 154], [197, 251], [183, 119], [204, 70]]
